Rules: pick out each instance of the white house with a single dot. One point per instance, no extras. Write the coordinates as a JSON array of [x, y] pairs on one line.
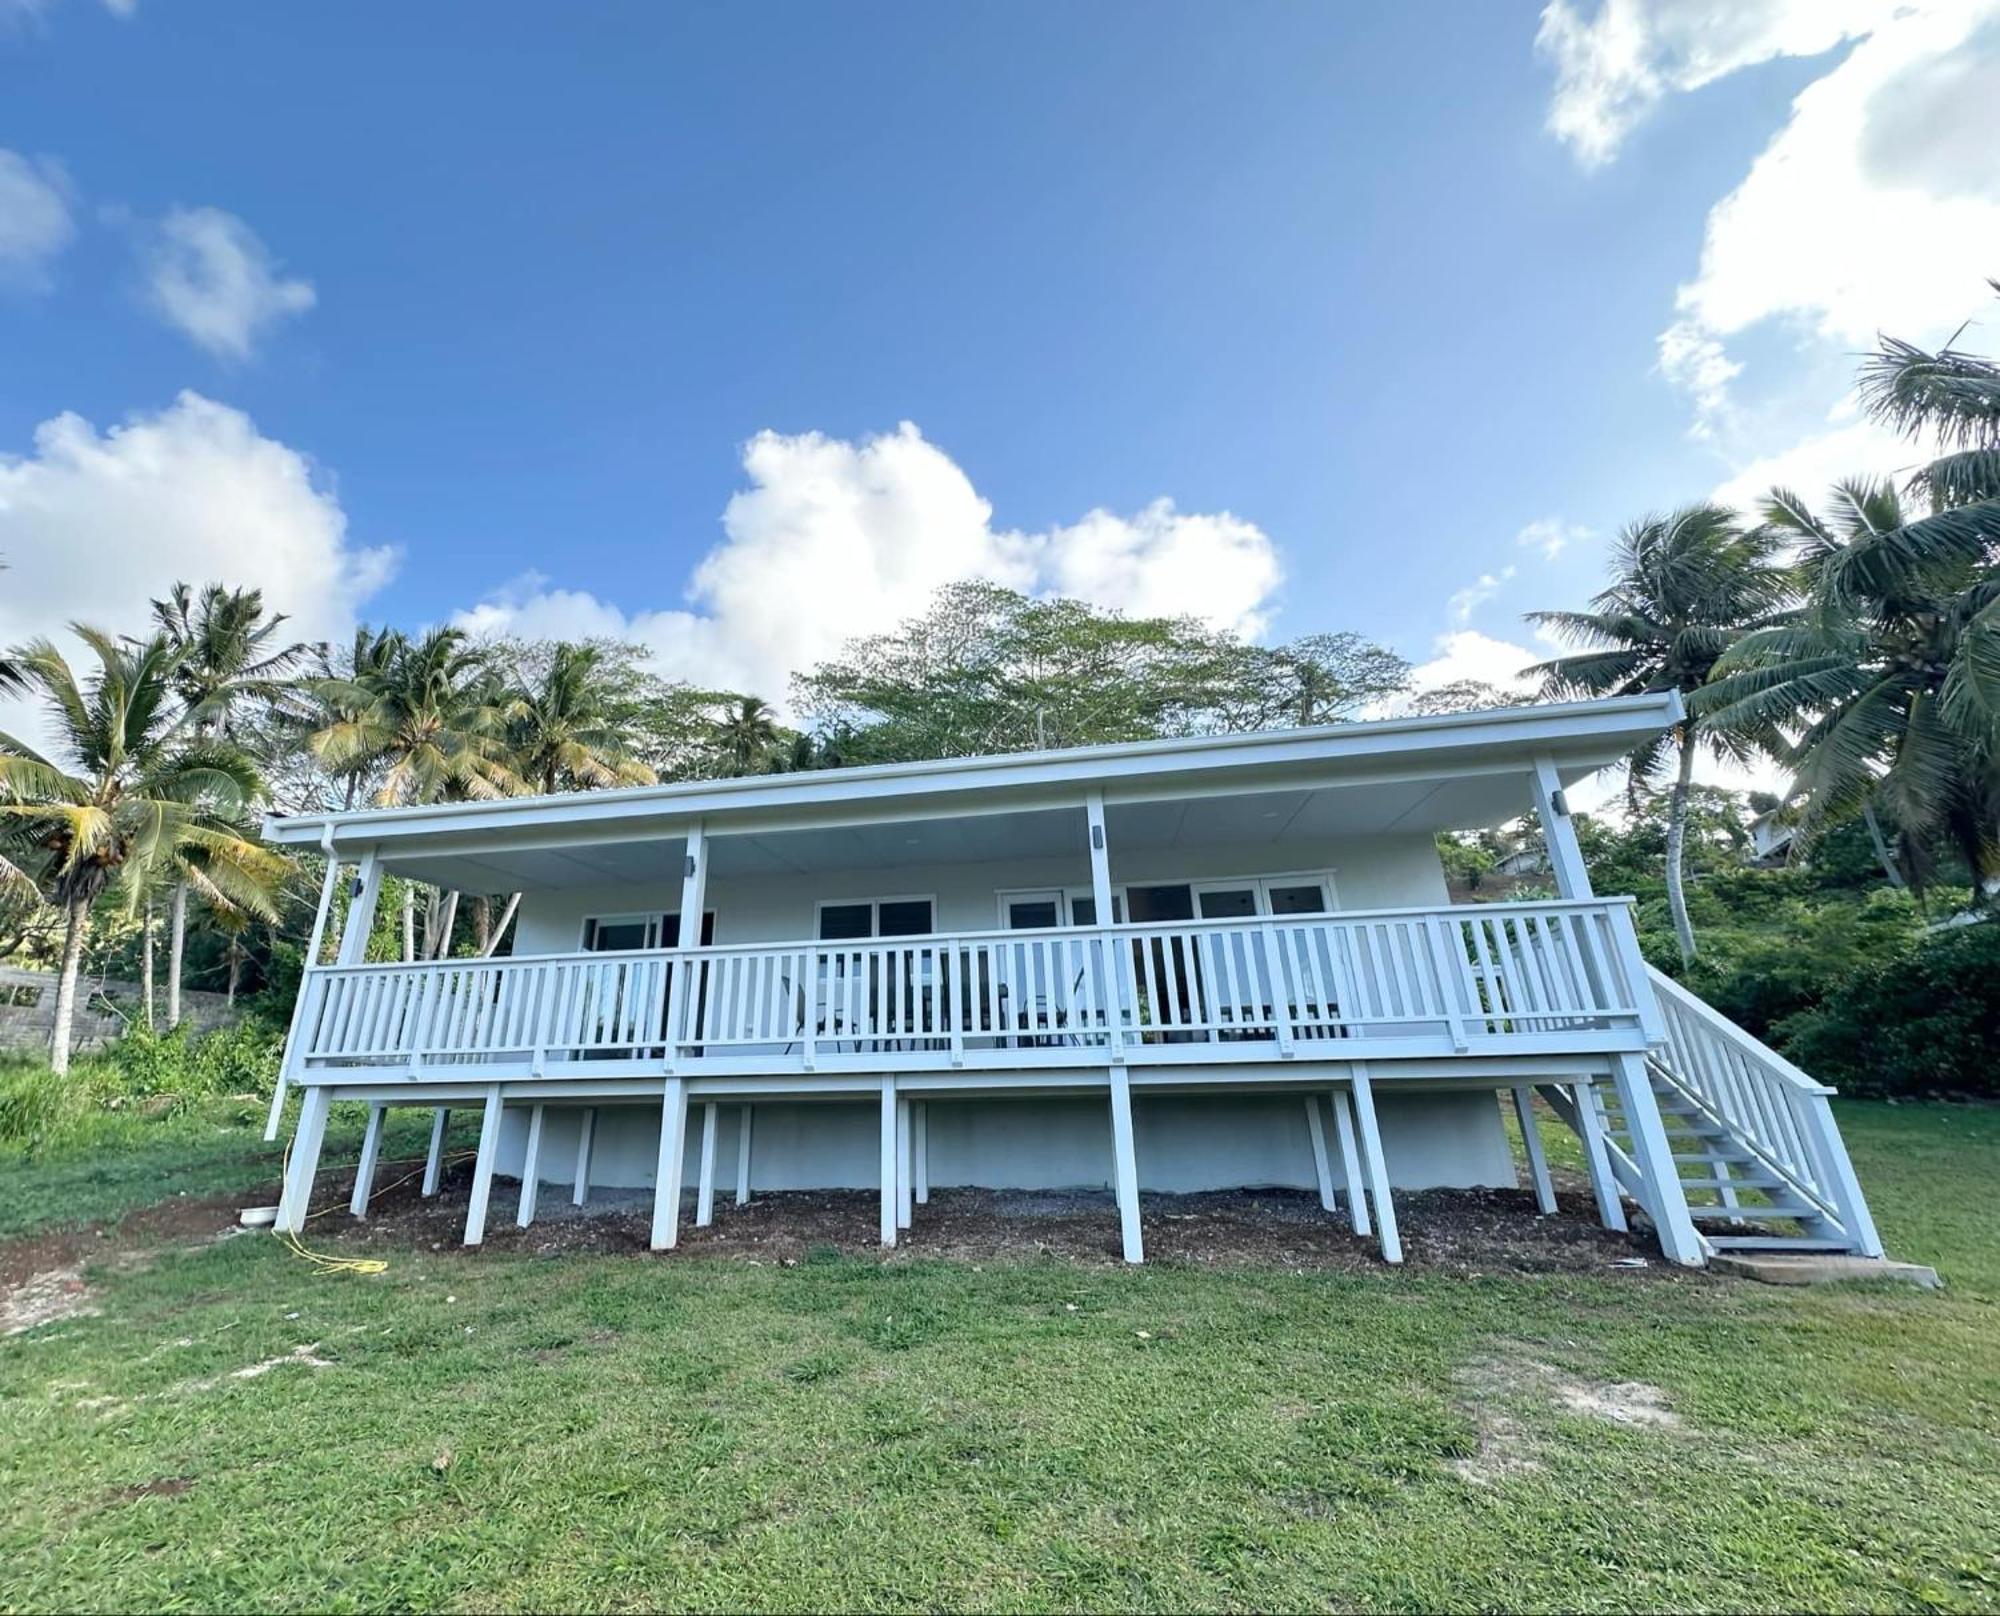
[[1169, 965]]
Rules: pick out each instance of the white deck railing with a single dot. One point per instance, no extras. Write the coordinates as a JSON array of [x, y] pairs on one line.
[[1460, 977], [1770, 1107]]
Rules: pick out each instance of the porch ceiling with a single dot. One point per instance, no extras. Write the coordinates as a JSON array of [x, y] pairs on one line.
[[1270, 818]]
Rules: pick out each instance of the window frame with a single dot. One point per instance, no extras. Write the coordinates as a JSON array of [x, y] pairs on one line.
[[874, 906]]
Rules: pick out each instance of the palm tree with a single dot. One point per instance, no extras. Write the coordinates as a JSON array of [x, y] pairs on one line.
[[745, 734], [139, 789], [432, 722], [1888, 679], [1684, 587], [229, 655], [564, 730]]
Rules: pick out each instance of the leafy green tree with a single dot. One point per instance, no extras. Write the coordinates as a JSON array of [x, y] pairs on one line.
[[1684, 587], [136, 788]]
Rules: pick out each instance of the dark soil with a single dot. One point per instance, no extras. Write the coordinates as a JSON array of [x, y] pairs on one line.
[[184, 1220], [1455, 1231]]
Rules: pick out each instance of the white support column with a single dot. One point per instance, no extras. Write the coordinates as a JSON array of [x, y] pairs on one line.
[[586, 1136], [482, 1166], [1376, 1165], [1125, 1165], [672, 1163], [888, 1162], [1350, 1164], [531, 1167], [434, 1162], [371, 1151], [743, 1156], [1666, 1201], [1531, 1141], [1322, 1170], [1100, 856], [310, 990], [704, 1194], [1558, 831], [921, 1164], [1589, 1128], [303, 1162], [905, 1213], [361, 912], [694, 897]]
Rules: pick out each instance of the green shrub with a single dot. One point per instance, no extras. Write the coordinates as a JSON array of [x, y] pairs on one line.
[[37, 1107], [183, 1069], [1927, 1023]]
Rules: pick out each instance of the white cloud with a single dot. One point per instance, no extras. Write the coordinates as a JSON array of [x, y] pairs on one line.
[[1614, 65], [1814, 464], [215, 280], [94, 525], [1549, 536], [833, 539], [35, 222], [1466, 601], [1466, 654]]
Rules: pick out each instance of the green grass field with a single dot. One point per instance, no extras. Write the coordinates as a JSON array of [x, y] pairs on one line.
[[494, 1431]]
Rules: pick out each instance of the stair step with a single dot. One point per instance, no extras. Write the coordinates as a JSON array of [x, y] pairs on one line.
[[1761, 1182], [1715, 1156], [1756, 1214], [1773, 1242]]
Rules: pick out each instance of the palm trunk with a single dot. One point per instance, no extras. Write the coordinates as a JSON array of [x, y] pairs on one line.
[[1676, 845], [76, 925], [446, 914], [500, 930], [146, 967], [176, 949], [1881, 845], [235, 972], [482, 924], [409, 922]]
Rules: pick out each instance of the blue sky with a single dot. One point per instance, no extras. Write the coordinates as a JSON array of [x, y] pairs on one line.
[[443, 312]]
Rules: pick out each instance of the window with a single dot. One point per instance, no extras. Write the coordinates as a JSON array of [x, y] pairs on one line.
[[613, 934], [1040, 908], [874, 917]]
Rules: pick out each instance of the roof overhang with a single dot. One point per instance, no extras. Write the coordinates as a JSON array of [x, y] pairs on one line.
[[1578, 737]]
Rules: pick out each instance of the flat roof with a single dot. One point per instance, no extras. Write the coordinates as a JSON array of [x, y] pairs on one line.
[[1581, 737]]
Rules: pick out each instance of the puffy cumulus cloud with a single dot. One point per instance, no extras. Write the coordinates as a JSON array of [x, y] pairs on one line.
[[35, 222], [833, 539], [1467, 655], [212, 278], [1856, 448], [1615, 64], [94, 525]]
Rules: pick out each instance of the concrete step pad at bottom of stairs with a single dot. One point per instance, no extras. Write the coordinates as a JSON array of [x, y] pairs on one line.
[[1815, 1262]]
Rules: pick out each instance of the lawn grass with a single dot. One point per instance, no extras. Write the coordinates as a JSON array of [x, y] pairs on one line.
[[504, 1431]]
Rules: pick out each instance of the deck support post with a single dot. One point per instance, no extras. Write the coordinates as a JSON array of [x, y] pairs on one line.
[[673, 1161], [531, 1167], [704, 1194], [1531, 1142], [434, 1160], [306, 994], [920, 1167], [888, 1162], [905, 1173], [743, 1156], [1350, 1164], [371, 1151], [1322, 1170], [303, 1162], [1125, 1165], [482, 1166], [586, 1137], [1666, 1201], [1590, 1130], [1377, 1166], [1559, 831]]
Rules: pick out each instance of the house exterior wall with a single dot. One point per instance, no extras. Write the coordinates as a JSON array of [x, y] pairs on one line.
[[1368, 873], [1185, 1143]]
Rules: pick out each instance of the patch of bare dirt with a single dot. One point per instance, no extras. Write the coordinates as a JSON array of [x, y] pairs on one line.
[[45, 1298], [184, 1220], [159, 1487], [1493, 1389]]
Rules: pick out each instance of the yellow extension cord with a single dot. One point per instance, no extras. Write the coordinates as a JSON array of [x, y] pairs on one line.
[[341, 1265]]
